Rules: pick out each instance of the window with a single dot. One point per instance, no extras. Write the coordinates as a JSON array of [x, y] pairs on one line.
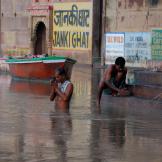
[[153, 2]]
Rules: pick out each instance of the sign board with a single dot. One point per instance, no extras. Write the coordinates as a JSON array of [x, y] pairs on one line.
[[72, 26], [156, 44], [39, 10], [114, 46], [137, 46]]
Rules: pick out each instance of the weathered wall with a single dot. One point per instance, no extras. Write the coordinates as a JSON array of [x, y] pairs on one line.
[[133, 15], [15, 35], [111, 13]]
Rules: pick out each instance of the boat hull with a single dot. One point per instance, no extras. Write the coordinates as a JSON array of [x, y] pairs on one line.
[[39, 70]]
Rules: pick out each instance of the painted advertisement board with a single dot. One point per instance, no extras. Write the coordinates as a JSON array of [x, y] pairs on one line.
[[72, 26], [137, 46], [156, 44], [114, 46], [134, 46]]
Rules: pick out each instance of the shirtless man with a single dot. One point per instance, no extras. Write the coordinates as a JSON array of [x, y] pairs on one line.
[[114, 80], [62, 90]]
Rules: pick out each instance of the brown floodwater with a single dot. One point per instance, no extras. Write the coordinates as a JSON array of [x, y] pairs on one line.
[[125, 130]]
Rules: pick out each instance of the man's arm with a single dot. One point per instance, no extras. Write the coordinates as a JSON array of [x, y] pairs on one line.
[[54, 85], [65, 96], [125, 75], [108, 81], [52, 95]]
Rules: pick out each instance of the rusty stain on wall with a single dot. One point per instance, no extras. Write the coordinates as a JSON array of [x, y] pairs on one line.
[[119, 4], [122, 18], [122, 3], [138, 2]]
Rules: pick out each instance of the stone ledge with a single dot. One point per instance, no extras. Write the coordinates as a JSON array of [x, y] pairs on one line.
[[148, 78], [151, 92], [129, 102]]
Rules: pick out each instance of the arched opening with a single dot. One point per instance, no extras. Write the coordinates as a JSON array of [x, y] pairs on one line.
[[40, 39]]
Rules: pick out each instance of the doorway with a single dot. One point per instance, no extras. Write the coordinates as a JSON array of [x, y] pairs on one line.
[[40, 39]]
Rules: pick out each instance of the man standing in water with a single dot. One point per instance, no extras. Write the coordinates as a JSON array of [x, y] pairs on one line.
[[114, 80], [62, 90]]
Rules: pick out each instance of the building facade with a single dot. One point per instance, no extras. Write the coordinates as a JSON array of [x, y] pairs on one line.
[[33, 27]]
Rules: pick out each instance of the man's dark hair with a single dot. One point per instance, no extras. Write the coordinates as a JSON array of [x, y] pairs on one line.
[[120, 61], [61, 71]]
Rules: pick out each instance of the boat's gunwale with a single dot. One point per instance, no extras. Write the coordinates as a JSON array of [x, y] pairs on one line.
[[29, 62], [46, 60]]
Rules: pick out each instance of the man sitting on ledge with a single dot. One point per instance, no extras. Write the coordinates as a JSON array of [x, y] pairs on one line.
[[114, 80]]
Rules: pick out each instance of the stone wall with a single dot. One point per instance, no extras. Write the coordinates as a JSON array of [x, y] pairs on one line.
[[15, 36], [132, 15]]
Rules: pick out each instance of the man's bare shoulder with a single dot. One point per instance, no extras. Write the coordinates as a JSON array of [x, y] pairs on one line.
[[110, 67], [69, 86], [108, 72]]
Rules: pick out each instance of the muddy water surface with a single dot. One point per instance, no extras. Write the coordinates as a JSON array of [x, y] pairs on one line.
[[126, 129]]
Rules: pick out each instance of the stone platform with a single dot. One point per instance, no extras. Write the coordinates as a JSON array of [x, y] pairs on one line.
[[148, 85], [148, 77]]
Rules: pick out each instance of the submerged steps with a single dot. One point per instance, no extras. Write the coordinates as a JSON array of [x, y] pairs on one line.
[[130, 102]]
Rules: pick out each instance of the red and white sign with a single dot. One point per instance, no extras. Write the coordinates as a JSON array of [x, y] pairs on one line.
[[39, 9], [43, 1]]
